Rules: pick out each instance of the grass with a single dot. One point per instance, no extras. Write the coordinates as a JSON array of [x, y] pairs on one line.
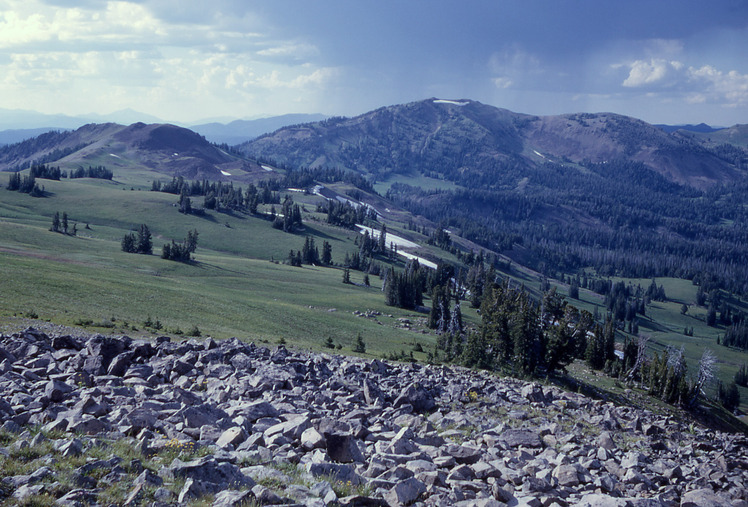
[[235, 287]]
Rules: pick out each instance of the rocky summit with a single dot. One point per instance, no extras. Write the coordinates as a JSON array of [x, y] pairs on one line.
[[235, 424]]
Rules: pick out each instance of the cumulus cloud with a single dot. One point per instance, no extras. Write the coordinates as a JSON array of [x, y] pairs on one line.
[[116, 54], [729, 87], [655, 71], [697, 85], [502, 82]]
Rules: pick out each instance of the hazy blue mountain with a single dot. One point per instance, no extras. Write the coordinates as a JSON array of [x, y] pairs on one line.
[[239, 131], [11, 136], [701, 128]]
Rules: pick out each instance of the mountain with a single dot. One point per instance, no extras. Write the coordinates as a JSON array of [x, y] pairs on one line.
[[737, 135], [701, 127], [15, 119], [240, 131], [559, 194], [457, 139], [164, 148], [12, 136]]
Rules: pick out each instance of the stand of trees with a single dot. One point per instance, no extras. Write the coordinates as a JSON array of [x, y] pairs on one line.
[[181, 252], [62, 225], [98, 172], [25, 185], [218, 196], [140, 244]]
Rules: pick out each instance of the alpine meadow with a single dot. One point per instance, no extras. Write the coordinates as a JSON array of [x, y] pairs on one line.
[[373, 254]]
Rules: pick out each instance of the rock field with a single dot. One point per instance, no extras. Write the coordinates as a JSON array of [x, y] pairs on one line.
[[301, 428]]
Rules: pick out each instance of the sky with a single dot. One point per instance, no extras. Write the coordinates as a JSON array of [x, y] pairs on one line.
[[664, 61]]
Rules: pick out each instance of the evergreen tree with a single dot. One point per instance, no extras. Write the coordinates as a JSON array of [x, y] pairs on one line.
[[360, 346], [729, 396], [574, 289], [55, 222], [346, 275], [129, 243], [191, 241], [326, 253], [741, 376], [144, 244], [64, 222]]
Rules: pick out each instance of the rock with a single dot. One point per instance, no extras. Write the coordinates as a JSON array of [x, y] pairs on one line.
[[56, 391], [343, 448], [208, 470], [533, 393], [405, 492], [148, 478], [704, 497], [265, 496], [417, 397], [232, 498], [337, 472], [521, 438], [232, 437], [566, 475], [312, 439]]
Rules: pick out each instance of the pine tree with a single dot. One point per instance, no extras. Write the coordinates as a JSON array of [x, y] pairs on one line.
[[64, 222], [144, 243], [360, 346], [326, 253], [741, 376], [55, 222], [191, 242], [129, 244]]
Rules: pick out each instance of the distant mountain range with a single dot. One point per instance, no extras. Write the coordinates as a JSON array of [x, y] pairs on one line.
[[172, 150], [239, 131], [19, 125]]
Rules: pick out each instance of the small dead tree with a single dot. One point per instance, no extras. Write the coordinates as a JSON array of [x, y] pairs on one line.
[[707, 371], [641, 348]]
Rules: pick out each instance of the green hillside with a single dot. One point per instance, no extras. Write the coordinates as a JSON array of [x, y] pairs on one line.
[[235, 287]]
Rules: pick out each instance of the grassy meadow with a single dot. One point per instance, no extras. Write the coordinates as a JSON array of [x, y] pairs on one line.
[[238, 284], [235, 287]]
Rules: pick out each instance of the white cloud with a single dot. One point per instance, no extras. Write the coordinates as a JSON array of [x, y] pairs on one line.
[[731, 87], [112, 55], [502, 82], [655, 71], [296, 51]]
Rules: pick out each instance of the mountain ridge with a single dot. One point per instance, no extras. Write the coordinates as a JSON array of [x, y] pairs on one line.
[[477, 136], [165, 148]]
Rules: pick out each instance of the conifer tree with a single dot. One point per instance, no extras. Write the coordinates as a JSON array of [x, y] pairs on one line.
[[55, 222], [144, 244]]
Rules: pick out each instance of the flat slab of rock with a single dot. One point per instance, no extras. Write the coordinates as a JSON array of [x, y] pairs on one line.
[[521, 438]]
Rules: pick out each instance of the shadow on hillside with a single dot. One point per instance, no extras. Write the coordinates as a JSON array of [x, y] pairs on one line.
[[706, 413], [650, 325]]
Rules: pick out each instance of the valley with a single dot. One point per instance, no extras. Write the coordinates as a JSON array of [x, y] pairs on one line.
[[508, 186]]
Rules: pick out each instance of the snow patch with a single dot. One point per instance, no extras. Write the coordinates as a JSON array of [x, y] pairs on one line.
[[267, 168], [453, 102], [421, 260], [113, 155], [390, 238], [538, 154], [225, 173]]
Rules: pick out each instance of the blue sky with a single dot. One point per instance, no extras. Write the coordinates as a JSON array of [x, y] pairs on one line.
[[184, 60]]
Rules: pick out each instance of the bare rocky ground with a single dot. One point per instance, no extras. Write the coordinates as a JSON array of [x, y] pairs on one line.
[[228, 423]]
